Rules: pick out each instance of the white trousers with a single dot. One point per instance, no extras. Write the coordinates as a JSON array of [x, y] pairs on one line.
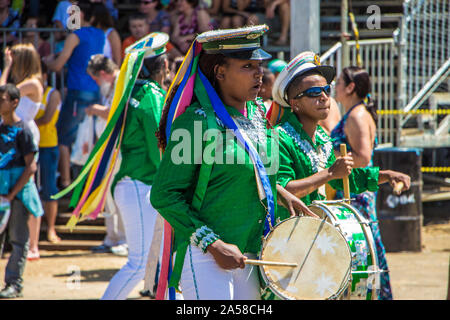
[[203, 279], [115, 231], [133, 200]]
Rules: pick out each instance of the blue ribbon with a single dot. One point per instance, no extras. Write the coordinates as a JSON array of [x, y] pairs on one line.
[[176, 98]]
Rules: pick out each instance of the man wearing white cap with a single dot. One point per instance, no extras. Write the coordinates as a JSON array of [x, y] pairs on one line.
[[307, 160], [140, 159]]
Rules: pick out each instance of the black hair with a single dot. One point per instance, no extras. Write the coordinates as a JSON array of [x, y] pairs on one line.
[[360, 77], [152, 66], [11, 90], [102, 16], [207, 63], [137, 16], [159, 5], [85, 7], [194, 3], [177, 62]]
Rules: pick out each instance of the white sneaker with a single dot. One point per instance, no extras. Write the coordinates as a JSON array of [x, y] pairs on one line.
[[120, 250]]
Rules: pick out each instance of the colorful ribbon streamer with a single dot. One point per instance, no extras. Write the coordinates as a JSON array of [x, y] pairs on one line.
[[91, 186], [184, 82]]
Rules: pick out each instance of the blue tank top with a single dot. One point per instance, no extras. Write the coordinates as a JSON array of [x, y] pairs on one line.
[[92, 41], [338, 134]]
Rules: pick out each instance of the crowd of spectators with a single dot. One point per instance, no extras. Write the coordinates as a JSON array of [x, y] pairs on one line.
[[48, 50], [64, 42], [181, 19]]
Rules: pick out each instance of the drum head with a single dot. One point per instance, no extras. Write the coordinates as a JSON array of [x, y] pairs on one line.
[[322, 254]]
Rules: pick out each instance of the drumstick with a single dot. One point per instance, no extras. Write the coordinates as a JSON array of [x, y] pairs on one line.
[[343, 148], [270, 263], [398, 188]]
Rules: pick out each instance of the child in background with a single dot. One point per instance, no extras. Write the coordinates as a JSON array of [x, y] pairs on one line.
[[36, 38], [23, 68], [46, 119], [138, 27], [17, 167]]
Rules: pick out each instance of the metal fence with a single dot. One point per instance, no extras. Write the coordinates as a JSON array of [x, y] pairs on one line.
[[424, 44], [378, 58], [407, 68], [55, 79]]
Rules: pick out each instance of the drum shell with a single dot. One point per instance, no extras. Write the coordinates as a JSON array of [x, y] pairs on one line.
[[325, 208], [400, 217]]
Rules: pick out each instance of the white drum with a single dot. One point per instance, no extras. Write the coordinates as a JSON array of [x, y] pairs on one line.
[[322, 255]]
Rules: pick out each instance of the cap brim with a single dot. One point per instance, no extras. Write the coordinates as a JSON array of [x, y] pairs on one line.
[[328, 72], [253, 54]]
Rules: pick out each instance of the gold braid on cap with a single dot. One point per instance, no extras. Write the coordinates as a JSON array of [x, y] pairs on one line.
[[317, 59]]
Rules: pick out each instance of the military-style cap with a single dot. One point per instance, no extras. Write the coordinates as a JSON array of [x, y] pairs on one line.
[[243, 43], [154, 44]]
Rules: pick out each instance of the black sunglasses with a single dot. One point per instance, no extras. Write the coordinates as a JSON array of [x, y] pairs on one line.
[[314, 92]]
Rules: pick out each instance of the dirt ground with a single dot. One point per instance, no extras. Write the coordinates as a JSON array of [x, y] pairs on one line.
[[81, 275]]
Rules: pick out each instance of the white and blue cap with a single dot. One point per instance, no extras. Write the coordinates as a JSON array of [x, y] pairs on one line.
[[302, 63]]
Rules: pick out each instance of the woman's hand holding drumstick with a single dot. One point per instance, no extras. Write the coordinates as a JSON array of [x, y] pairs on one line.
[[228, 256], [399, 181]]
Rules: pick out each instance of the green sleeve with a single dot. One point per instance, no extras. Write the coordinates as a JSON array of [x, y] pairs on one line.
[[360, 180], [149, 118], [176, 178], [286, 171]]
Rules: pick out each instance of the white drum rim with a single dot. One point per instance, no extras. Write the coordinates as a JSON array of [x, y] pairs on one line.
[[362, 221]]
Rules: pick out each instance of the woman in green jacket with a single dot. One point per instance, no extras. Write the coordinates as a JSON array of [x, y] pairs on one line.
[[216, 184], [140, 159]]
